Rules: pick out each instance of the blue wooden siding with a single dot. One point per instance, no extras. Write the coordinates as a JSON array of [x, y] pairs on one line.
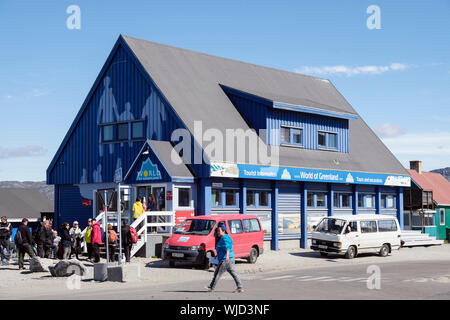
[[260, 115], [289, 198], [81, 160], [71, 208], [254, 113], [311, 125]]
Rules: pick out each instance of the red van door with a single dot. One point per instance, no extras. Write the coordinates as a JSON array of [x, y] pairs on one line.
[[236, 231]]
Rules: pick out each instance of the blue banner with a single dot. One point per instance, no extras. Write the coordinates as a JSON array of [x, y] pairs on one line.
[[231, 170]]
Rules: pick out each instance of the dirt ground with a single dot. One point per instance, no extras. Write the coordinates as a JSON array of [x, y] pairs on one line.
[[15, 284]]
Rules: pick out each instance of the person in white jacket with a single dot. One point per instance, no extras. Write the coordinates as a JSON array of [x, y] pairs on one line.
[[75, 233]]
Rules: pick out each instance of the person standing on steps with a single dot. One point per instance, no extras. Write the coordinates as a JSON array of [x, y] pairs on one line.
[[96, 240], [225, 255]]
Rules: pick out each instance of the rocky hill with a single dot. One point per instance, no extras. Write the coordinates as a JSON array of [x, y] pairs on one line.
[[444, 171], [41, 186]]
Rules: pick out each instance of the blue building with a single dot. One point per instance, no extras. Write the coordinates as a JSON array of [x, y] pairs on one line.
[[328, 161]]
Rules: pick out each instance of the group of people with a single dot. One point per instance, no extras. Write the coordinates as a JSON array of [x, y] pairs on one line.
[[46, 243], [93, 238]]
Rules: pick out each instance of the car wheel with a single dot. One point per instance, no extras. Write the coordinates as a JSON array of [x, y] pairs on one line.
[[324, 254], [253, 256], [171, 263], [351, 252], [384, 251]]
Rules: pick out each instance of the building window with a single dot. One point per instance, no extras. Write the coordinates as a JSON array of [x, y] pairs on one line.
[[327, 140], [250, 198], [137, 130], [122, 131], [291, 135], [216, 200], [442, 217], [366, 201], [342, 200], [184, 197], [387, 201], [230, 198], [263, 199], [317, 200], [221, 198], [108, 133], [258, 199]]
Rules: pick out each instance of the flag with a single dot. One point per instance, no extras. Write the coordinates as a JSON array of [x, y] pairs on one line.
[[144, 204]]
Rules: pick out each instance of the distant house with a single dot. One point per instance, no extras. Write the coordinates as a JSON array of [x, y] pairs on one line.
[[17, 204], [427, 202]]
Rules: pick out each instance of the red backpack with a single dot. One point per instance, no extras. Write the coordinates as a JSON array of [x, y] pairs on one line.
[[134, 235]]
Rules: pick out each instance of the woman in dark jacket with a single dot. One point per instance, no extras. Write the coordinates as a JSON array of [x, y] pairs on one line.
[[66, 240]]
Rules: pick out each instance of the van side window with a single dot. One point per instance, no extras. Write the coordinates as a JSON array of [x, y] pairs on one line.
[[353, 226], [368, 226], [236, 226], [387, 225], [251, 225]]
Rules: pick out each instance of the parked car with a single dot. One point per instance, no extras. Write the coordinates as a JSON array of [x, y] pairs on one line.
[[354, 234], [194, 239]]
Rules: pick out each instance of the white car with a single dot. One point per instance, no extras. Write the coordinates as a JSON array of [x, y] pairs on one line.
[[354, 234]]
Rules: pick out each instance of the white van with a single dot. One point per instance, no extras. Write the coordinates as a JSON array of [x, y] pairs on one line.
[[354, 234]]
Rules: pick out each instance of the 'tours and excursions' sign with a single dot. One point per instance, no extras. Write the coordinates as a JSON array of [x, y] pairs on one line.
[[233, 170]]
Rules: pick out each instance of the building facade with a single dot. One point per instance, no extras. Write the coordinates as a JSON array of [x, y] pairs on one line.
[[149, 99], [427, 202]]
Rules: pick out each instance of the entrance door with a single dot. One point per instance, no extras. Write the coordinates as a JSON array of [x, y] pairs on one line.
[[159, 194]]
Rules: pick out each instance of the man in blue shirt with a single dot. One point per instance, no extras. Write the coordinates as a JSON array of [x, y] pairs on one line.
[[225, 255]]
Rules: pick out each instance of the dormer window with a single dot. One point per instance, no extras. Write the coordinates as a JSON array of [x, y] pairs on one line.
[[327, 140], [291, 135]]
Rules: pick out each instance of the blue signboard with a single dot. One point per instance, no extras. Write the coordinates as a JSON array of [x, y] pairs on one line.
[[233, 170], [149, 171]]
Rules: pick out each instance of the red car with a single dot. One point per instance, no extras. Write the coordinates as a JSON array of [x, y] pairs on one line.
[[194, 240]]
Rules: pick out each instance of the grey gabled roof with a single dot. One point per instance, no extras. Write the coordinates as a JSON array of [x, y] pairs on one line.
[[163, 150], [190, 81], [23, 203]]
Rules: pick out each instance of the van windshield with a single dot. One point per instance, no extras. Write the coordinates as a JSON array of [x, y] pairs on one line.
[[331, 225], [195, 227]]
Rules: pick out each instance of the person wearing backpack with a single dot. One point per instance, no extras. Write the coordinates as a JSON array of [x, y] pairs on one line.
[[96, 240], [23, 242], [5, 234], [112, 242], [126, 240]]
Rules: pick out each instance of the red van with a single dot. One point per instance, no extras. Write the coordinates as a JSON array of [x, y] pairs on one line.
[[194, 240]]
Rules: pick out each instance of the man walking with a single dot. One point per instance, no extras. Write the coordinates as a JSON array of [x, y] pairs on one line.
[[5, 234], [225, 255], [23, 242]]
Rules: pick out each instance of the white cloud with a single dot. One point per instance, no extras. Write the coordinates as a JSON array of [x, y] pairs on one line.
[[351, 71], [389, 130], [433, 148], [19, 152]]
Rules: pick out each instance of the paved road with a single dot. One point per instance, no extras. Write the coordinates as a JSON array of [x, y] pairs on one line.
[[405, 280]]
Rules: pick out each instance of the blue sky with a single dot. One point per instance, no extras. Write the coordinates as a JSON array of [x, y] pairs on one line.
[[397, 77]]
